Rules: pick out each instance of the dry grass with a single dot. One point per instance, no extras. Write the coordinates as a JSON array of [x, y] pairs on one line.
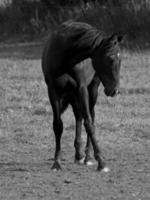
[[27, 140]]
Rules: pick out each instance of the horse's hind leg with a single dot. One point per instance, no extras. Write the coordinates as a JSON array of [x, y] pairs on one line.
[[57, 127], [79, 157]]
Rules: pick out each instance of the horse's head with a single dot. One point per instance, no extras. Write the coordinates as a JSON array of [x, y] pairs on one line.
[[106, 61]]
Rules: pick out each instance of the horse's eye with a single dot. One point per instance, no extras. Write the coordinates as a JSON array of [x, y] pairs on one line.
[[118, 54]]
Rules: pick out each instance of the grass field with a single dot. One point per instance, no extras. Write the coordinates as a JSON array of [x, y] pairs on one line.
[[27, 140]]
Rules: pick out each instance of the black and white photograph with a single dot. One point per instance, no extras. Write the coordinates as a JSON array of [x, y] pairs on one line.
[[74, 99]]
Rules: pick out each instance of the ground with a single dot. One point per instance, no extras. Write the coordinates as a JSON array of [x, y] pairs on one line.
[[27, 139]]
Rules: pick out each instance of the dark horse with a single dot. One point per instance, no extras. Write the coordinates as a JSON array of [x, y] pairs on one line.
[[71, 81]]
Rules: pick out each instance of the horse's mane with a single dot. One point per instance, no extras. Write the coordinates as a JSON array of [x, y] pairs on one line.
[[81, 35]]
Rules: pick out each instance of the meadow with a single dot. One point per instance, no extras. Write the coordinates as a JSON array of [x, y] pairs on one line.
[[27, 141]]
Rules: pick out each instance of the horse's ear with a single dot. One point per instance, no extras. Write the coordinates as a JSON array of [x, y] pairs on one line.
[[112, 39], [116, 38]]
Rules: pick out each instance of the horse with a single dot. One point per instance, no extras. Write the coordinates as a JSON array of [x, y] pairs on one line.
[[76, 58]]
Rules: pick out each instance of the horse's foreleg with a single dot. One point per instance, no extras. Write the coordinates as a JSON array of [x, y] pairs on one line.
[[88, 150], [79, 157], [89, 126], [93, 94]]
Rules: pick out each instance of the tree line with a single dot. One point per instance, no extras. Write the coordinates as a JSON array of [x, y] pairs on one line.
[[34, 17]]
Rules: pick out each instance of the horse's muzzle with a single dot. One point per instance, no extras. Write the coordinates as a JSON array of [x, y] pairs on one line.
[[116, 92], [111, 93]]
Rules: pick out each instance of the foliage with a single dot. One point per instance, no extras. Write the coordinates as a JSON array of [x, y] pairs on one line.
[[33, 17]]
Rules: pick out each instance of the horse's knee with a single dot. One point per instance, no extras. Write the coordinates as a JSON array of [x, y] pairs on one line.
[[89, 126]]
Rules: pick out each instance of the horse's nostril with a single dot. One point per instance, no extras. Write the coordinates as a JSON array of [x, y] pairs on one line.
[[112, 93], [116, 92]]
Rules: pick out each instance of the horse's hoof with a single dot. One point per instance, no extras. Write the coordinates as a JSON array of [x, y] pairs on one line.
[[81, 161], [102, 167], [89, 163], [56, 167], [106, 169]]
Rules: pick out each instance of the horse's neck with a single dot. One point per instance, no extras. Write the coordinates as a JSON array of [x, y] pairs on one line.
[[79, 57]]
